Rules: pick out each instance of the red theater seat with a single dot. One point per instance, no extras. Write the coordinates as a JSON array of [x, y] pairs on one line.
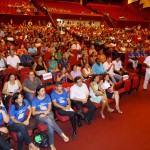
[[61, 118]]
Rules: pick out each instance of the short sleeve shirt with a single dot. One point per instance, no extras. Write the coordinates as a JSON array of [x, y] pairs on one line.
[[20, 113], [61, 99], [41, 105]]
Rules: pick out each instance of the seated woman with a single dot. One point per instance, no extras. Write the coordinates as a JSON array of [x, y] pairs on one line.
[[92, 49], [44, 48], [108, 86], [58, 54], [19, 120], [75, 72], [97, 95], [64, 76], [41, 108], [101, 56], [92, 59], [39, 67], [87, 71], [84, 60], [21, 50], [53, 65], [11, 86], [3, 118]]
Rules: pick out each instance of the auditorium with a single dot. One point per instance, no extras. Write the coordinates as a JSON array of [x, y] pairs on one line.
[[74, 75]]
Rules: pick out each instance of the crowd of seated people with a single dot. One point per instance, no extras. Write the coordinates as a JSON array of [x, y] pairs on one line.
[[24, 8], [107, 63]]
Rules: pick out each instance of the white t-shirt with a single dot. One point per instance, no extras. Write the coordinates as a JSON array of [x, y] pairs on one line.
[[118, 65], [106, 66], [76, 46], [147, 61], [79, 92], [105, 85], [13, 61]]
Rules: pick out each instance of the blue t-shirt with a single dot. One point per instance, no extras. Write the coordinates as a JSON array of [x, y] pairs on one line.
[[1, 116], [136, 54], [61, 99], [41, 104], [19, 114], [33, 50], [98, 68]]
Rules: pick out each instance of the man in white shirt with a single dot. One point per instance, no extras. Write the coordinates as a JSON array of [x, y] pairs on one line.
[[118, 68], [13, 60], [147, 74], [79, 94], [109, 67]]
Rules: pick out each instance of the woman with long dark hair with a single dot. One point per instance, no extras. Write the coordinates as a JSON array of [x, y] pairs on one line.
[[19, 120], [98, 95], [108, 86], [41, 108]]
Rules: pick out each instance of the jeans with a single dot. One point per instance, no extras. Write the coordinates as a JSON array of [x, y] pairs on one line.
[[29, 96], [51, 126], [3, 144], [79, 105], [114, 77], [22, 134], [72, 116]]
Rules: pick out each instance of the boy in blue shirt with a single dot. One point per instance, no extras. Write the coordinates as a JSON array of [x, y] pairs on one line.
[[61, 101]]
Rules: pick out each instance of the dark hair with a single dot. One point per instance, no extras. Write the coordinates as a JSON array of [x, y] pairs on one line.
[[105, 76], [93, 77], [15, 96], [77, 78], [8, 77], [38, 89], [73, 66], [58, 83]]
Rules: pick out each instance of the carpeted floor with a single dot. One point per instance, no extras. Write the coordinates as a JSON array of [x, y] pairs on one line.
[[127, 131]]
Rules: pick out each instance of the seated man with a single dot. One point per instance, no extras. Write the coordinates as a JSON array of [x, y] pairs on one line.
[[98, 68], [26, 59], [29, 86], [109, 67], [118, 68], [61, 101], [13, 60], [64, 62], [79, 94], [32, 50]]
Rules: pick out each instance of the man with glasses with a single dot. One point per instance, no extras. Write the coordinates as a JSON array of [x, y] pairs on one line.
[[30, 84], [79, 94]]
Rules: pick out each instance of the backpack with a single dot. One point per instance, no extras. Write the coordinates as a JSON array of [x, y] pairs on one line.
[[41, 140]]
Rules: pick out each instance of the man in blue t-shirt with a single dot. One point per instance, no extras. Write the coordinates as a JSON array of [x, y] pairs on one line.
[[61, 101], [98, 68]]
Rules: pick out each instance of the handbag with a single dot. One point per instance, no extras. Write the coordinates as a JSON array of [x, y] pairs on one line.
[[41, 140]]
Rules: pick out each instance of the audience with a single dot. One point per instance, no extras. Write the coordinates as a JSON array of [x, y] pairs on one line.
[[126, 43], [109, 67], [39, 67], [19, 120], [29, 86], [41, 108], [79, 94], [61, 101]]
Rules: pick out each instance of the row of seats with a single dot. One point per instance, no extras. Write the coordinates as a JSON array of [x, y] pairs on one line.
[[116, 12], [71, 7]]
